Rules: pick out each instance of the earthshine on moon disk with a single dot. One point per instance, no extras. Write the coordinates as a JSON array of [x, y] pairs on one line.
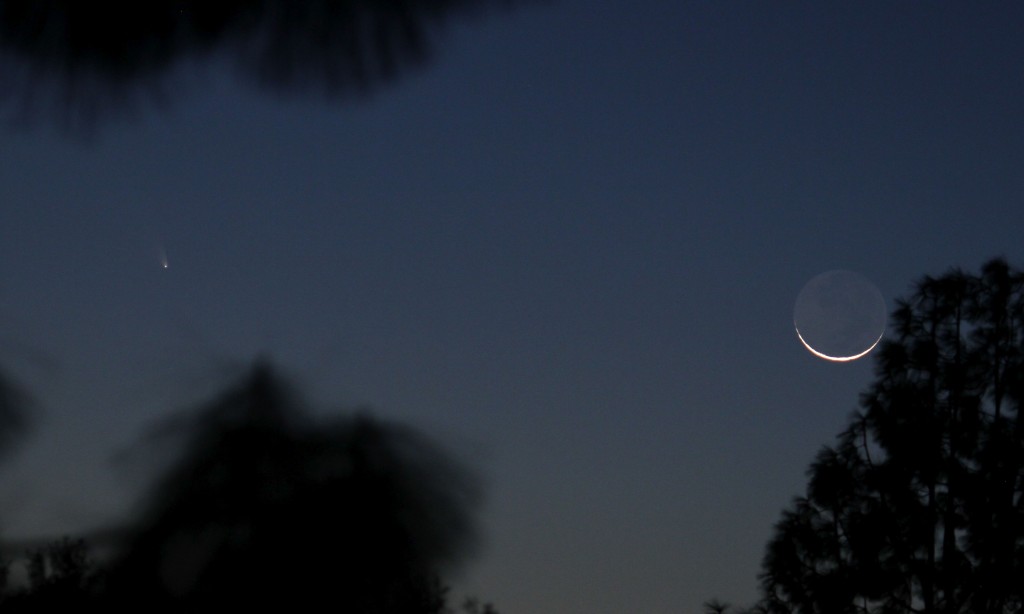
[[839, 316]]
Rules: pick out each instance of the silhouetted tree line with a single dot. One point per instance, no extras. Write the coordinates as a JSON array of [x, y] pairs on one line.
[[264, 506], [83, 59], [62, 577], [919, 505]]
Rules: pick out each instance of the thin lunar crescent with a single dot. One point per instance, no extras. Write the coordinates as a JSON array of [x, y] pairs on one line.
[[837, 358], [839, 316]]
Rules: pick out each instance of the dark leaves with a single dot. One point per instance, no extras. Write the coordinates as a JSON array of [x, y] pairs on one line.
[[268, 507], [919, 506], [83, 61]]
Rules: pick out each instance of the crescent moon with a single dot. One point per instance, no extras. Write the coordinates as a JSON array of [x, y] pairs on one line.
[[836, 358], [839, 316]]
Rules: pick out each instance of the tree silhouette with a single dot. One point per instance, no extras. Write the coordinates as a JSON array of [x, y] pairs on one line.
[[472, 605], [714, 606], [85, 60], [13, 413], [61, 577], [919, 506], [267, 507]]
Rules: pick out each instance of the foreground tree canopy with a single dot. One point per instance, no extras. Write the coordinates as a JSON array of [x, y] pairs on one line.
[[264, 506], [13, 412], [86, 59], [919, 506], [267, 507]]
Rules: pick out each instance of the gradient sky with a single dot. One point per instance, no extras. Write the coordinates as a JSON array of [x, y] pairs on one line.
[[568, 248]]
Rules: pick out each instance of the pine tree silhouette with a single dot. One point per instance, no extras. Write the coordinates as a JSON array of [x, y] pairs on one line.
[[919, 506]]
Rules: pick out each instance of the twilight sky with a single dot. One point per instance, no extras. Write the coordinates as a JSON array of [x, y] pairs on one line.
[[568, 248]]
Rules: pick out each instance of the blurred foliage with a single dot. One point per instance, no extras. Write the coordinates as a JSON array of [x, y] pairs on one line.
[[83, 61], [264, 505], [14, 404]]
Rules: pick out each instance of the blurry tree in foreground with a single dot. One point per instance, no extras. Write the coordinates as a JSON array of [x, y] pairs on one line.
[[919, 506], [61, 578], [268, 508], [473, 606], [714, 606], [13, 413], [84, 59]]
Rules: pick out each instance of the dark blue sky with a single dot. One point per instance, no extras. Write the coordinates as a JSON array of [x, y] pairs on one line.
[[568, 248]]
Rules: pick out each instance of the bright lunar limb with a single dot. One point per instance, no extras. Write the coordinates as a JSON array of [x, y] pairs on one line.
[[840, 316]]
